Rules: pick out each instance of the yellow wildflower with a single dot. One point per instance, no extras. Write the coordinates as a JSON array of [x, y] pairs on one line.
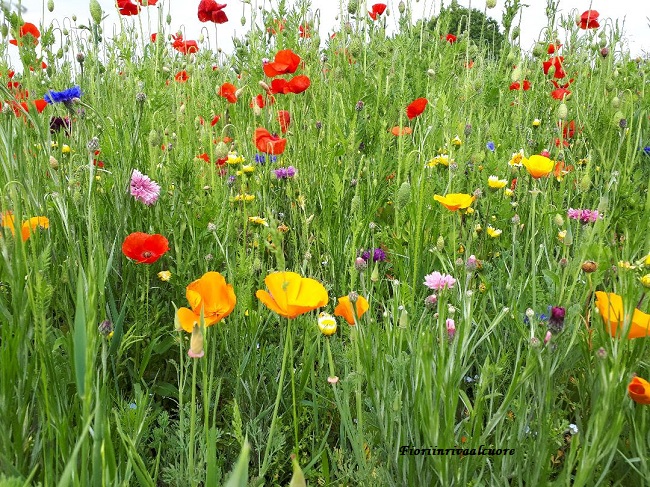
[[456, 141], [495, 183], [517, 158], [493, 232], [164, 276], [258, 220]]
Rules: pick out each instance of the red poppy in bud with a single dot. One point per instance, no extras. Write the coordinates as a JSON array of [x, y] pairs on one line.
[[303, 30], [259, 101], [525, 85], [450, 38], [214, 120], [211, 11], [26, 29], [285, 62], [267, 143], [296, 85], [552, 48], [228, 91], [184, 47], [589, 20], [277, 23], [556, 63], [377, 10], [154, 36], [416, 107], [181, 76], [284, 117], [144, 248]]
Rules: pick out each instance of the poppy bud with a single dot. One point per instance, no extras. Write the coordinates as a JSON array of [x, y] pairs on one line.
[[401, 7], [54, 164], [604, 52], [221, 150], [431, 73], [609, 84], [539, 50], [403, 195], [558, 220], [65, 32], [353, 6], [95, 11], [74, 18], [242, 21], [618, 116], [327, 324], [562, 111], [196, 343], [589, 266], [491, 3], [169, 19], [50, 5], [403, 319], [440, 243], [516, 74], [515, 33]]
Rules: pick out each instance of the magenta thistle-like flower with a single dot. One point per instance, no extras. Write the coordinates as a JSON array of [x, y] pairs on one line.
[[143, 188], [584, 216], [438, 282], [451, 328]]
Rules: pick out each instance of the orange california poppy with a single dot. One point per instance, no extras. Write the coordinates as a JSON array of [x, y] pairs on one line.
[[538, 166], [210, 293], [144, 248], [291, 295], [561, 170], [26, 29], [267, 143], [344, 308], [285, 61], [639, 390], [229, 92], [7, 220], [398, 131], [416, 107], [612, 311], [455, 201]]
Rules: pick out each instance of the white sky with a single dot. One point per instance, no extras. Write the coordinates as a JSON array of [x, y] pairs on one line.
[[634, 13]]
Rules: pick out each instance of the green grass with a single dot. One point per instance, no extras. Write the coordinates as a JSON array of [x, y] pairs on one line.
[[81, 408]]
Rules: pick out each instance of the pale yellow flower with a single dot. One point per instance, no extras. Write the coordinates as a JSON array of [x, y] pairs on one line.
[[493, 232], [258, 220], [164, 276], [495, 183], [561, 234], [537, 122], [517, 158], [456, 141], [508, 192], [65, 149], [442, 159], [233, 158]]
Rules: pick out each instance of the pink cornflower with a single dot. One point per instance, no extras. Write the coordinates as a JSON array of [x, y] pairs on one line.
[[143, 188], [585, 216], [437, 281]]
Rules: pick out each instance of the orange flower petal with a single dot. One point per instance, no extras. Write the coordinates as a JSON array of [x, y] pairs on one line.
[[639, 390], [187, 318]]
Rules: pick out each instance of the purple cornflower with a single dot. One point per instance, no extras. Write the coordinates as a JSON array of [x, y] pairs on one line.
[[65, 96], [438, 281], [143, 188], [585, 216], [285, 172], [378, 255]]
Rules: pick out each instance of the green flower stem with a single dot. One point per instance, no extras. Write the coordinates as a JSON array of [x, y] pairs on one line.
[[190, 459]]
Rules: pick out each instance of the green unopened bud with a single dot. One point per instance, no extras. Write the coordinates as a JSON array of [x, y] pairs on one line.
[[585, 182], [616, 102], [562, 111], [515, 33], [353, 6], [4, 30], [516, 74], [50, 5], [154, 138], [95, 11], [169, 19], [618, 116], [401, 7], [242, 20], [221, 150], [609, 84], [403, 319], [374, 277], [65, 32], [558, 220], [74, 18], [403, 195], [491, 3], [538, 50], [440, 243]]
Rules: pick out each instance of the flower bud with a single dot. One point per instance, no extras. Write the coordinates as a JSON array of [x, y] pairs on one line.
[[589, 266], [491, 3], [562, 111], [403, 195], [95, 11], [50, 5], [327, 324], [196, 343], [616, 102]]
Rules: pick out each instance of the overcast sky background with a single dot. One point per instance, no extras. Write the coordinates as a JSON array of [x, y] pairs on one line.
[[632, 14]]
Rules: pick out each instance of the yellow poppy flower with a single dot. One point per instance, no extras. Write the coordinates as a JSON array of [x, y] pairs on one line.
[[612, 311], [455, 201], [538, 166], [291, 295]]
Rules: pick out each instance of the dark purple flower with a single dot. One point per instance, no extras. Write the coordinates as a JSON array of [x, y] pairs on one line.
[[58, 123], [556, 321], [378, 255]]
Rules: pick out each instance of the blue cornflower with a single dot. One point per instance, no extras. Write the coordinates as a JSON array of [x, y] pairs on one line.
[[260, 159], [490, 146], [646, 149], [65, 96]]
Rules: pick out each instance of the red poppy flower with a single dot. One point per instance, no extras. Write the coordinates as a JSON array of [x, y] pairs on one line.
[[416, 107], [205, 157], [398, 131], [229, 92], [451, 38], [267, 143], [259, 101], [561, 91], [556, 62], [127, 8], [568, 129], [284, 117], [26, 29], [285, 62], [184, 47], [588, 20], [520, 86], [214, 120], [181, 76], [154, 36], [211, 11], [296, 85], [377, 10], [552, 48], [144, 248]]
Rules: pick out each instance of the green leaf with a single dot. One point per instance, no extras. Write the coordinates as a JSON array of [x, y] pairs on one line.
[[80, 339], [239, 475]]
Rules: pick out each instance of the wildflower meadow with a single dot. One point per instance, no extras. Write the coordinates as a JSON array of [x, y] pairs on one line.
[[417, 257]]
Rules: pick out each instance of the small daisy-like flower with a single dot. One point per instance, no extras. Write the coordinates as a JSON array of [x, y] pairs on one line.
[[495, 183], [65, 149], [164, 276], [493, 232], [561, 235], [441, 159], [537, 122], [456, 141], [233, 158], [517, 158], [245, 197], [508, 192], [143, 188]]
